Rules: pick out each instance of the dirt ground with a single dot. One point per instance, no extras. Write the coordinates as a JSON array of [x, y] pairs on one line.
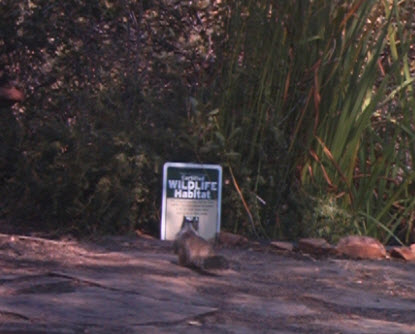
[[134, 285]]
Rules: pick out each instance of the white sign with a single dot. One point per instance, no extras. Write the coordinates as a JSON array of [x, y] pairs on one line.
[[193, 191]]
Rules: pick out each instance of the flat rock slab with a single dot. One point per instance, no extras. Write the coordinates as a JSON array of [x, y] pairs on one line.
[[86, 305], [359, 299], [368, 326], [134, 285], [269, 307]]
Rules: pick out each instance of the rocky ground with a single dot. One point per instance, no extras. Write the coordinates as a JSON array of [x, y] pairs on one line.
[[134, 285]]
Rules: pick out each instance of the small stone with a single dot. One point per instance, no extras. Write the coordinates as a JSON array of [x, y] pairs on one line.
[[283, 245], [143, 235], [314, 246], [405, 253], [361, 247], [194, 323], [232, 240]]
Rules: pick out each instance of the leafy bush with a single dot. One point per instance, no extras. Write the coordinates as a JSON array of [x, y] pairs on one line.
[[99, 115], [307, 104]]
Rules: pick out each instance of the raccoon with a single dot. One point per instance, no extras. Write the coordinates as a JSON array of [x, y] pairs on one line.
[[194, 251]]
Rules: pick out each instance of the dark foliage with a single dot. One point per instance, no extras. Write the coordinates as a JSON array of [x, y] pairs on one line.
[[275, 91], [107, 99]]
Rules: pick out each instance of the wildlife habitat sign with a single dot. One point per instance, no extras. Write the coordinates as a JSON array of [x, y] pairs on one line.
[[193, 191]]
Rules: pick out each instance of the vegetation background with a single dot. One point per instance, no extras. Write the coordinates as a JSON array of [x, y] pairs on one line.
[[308, 106]]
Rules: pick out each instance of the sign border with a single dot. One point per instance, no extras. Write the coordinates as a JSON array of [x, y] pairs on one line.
[[164, 198]]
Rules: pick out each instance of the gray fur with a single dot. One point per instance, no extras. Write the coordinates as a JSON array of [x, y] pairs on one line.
[[194, 251]]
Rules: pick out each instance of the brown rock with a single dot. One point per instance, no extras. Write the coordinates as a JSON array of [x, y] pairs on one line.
[[143, 235], [360, 247], [232, 240], [315, 246], [283, 245], [405, 253]]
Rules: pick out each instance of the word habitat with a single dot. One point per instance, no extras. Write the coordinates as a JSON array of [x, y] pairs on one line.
[[195, 189]]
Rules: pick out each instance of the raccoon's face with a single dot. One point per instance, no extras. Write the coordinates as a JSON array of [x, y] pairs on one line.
[[192, 222]]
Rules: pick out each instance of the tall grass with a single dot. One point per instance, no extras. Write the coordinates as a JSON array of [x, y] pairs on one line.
[[317, 110], [360, 154]]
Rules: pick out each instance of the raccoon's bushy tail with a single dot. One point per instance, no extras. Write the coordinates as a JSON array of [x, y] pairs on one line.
[[215, 262]]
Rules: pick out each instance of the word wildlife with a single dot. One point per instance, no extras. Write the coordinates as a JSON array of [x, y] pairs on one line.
[[194, 187]]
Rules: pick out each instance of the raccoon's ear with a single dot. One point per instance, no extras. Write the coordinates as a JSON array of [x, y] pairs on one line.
[[185, 221], [195, 224]]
